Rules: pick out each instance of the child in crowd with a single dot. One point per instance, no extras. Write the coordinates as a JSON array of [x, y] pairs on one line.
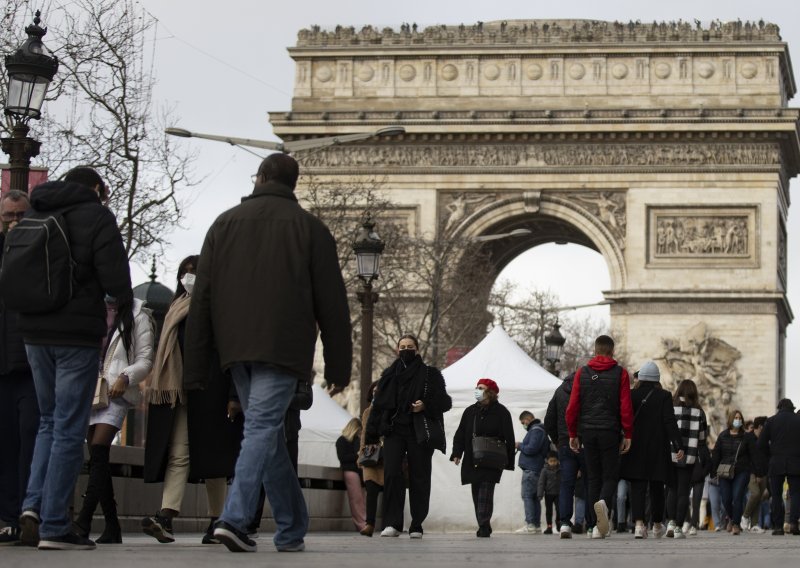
[[549, 487]]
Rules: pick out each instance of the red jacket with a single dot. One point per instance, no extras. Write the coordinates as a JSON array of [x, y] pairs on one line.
[[601, 363]]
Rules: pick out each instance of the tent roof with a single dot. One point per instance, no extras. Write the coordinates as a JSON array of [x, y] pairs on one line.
[[523, 382], [325, 414]]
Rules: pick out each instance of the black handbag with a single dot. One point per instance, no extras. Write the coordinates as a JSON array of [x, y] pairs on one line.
[[728, 470], [370, 456], [487, 451]]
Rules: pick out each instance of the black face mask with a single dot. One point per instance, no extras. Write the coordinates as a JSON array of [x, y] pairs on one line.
[[407, 355]]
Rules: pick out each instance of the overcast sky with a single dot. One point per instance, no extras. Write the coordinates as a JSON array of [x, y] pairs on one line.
[[224, 66]]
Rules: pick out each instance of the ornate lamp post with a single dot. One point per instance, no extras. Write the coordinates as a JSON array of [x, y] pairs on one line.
[[30, 69], [554, 343], [368, 248]]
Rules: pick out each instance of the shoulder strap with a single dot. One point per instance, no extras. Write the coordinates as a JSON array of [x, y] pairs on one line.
[[110, 354], [641, 405]]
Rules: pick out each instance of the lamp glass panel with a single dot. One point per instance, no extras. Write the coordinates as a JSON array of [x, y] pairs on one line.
[[26, 94], [553, 352], [368, 263]]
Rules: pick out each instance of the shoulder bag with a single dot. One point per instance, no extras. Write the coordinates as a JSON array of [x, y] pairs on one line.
[[370, 456], [487, 451], [728, 470], [101, 399]]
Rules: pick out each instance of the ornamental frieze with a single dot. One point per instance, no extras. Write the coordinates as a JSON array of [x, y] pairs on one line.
[[543, 155]]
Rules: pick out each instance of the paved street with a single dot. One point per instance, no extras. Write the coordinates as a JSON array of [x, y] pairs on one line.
[[333, 550]]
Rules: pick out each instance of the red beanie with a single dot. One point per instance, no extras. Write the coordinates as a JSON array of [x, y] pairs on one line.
[[490, 385]]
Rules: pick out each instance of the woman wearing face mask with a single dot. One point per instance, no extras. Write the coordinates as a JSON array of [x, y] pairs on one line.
[[126, 361], [407, 412], [738, 448], [486, 418], [189, 435]]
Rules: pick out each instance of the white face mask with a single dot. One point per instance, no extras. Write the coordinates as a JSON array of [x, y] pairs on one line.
[[479, 394], [188, 282], [737, 423]]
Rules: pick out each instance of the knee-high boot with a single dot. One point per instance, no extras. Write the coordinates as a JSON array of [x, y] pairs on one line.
[[112, 533], [83, 523]]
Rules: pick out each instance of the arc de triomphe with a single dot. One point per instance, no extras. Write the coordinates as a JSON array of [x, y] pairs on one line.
[[668, 148]]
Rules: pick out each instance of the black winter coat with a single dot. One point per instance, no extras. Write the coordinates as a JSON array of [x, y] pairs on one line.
[[268, 280], [780, 441], [101, 267], [654, 429], [749, 458], [493, 421], [12, 348], [347, 452], [555, 420], [400, 386]]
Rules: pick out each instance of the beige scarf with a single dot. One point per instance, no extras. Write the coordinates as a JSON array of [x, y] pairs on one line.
[[166, 378]]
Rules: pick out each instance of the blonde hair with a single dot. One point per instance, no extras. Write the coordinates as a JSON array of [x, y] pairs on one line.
[[351, 429]]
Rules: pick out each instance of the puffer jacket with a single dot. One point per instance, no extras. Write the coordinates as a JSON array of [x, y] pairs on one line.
[[549, 481], [137, 364], [748, 458]]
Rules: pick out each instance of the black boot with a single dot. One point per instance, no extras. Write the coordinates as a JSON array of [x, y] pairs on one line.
[[209, 537], [112, 533], [82, 525]]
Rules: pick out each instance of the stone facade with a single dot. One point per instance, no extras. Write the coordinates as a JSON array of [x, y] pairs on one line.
[[665, 147]]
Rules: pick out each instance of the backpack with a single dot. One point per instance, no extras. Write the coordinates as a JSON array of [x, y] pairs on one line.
[[36, 275]]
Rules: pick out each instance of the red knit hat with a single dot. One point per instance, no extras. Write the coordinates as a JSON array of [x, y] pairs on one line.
[[490, 385]]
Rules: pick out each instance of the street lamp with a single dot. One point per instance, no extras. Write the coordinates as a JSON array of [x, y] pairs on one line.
[[512, 234], [368, 248], [554, 343], [293, 146], [30, 69]]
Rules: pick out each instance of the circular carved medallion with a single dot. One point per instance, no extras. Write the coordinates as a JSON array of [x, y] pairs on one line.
[[619, 71], [749, 70], [534, 72], [663, 70], [577, 71], [449, 72], [705, 70], [491, 72], [366, 73], [324, 74], [407, 73]]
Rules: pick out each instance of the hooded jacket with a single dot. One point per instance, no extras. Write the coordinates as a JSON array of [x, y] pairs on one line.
[[555, 420], [534, 447], [101, 267], [613, 419]]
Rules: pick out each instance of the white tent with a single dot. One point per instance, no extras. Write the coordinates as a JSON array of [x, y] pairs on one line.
[[322, 426], [524, 385]]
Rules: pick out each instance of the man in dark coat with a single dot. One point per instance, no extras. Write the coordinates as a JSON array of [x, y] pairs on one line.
[[780, 440], [571, 463], [19, 411], [63, 348], [268, 279]]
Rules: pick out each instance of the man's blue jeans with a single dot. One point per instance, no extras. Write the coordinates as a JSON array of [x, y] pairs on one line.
[[533, 507], [65, 379], [623, 491], [571, 463], [265, 393]]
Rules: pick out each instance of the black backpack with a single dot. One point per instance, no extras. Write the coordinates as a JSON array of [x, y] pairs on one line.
[[37, 271]]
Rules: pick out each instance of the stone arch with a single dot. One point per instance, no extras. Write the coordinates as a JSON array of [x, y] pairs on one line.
[[514, 212]]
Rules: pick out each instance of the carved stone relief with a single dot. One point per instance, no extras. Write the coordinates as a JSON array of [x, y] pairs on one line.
[[544, 155], [690, 236], [458, 206], [782, 253], [608, 207], [711, 363]]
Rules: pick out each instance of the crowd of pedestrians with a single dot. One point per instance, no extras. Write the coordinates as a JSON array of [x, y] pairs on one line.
[[232, 369]]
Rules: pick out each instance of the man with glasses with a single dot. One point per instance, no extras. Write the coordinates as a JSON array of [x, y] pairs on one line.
[[19, 411]]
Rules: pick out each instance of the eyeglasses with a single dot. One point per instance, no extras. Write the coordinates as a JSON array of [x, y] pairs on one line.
[[13, 215]]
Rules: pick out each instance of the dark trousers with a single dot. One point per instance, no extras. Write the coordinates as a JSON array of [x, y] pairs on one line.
[[732, 491], [777, 508], [395, 448], [678, 495], [19, 422], [483, 500], [373, 490], [602, 462], [639, 489], [550, 503], [571, 464], [697, 498]]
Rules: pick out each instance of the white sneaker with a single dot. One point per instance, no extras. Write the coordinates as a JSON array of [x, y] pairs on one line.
[[717, 529], [692, 531], [745, 523], [415, 534], [597, 533], [658, 530], [670, 529], [757, 529], [678, 533], [527, 529], [390, 531], [601, 510], [566, 531], [686, 527], [640, 532]]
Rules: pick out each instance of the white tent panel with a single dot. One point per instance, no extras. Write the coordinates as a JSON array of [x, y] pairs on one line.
[[322, 426]]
